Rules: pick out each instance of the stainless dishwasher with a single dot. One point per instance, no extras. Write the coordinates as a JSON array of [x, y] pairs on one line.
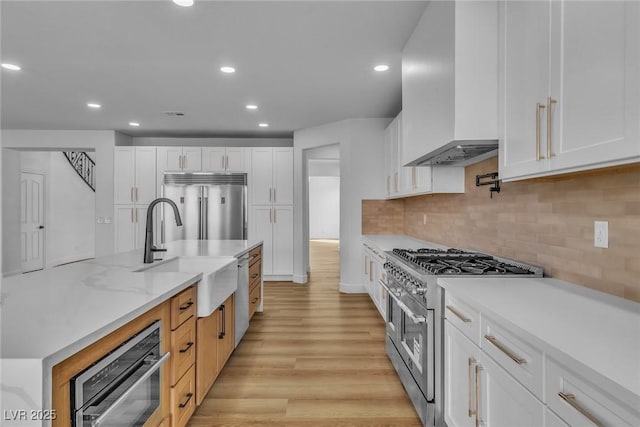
[[242, 299]]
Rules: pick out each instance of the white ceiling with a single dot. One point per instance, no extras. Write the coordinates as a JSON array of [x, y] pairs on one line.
[[305, 63]]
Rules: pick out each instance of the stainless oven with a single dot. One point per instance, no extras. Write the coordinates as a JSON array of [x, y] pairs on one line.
[[124, 387]]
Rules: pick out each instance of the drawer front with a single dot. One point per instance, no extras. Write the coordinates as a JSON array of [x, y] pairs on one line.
[[519, 358], [579, 402], [166, 422], [183, 306], [183, 349], [255, 270], [183, 399], [464, 317], [254, 301], [255, 254]]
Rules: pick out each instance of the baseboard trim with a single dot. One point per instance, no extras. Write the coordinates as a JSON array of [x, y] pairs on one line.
[[352, 288], [300, 278], [278, 278], [11, 273]]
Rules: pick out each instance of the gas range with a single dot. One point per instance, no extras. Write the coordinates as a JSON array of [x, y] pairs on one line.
[[415, 311]]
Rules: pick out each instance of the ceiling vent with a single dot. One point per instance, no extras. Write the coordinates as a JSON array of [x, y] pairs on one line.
[[174, 113]]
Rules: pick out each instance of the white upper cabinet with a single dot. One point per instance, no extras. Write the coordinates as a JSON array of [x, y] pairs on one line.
[[569, 84], [221, 159], [272, 176], [135, 175], [449, 78], [185, 159]]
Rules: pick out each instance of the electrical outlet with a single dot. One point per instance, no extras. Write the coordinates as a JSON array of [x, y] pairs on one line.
[[424, 219], [601, 234], [100, 220], [107, 220]]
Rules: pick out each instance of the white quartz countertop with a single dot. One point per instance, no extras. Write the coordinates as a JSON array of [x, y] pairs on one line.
[[600, 331], [53, 313], [387, 242]]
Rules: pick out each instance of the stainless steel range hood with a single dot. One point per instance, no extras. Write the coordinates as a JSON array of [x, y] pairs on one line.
[[459, 153]]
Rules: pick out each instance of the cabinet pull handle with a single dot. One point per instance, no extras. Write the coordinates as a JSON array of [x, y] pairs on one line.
[[255, 300], [226, 164], [275, 219], [180, 161], [462, 317], [538, 108], [505, 350], [371, 271], [395, 181], [189, 345], [472, 362], [253, 276], [185, 306], [388, 184], [131, 194], [186, 402], [366, 264], [478, 369], [136, 193], [224, 326], [222, 162], [571, 400], [274, 195], [136, 209], [550, 102]]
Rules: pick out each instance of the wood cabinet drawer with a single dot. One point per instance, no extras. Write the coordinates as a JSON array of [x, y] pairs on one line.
[[183, 399], [183, 349], [255, 270], [183, 306], [166, 422], [254, 300], [464, 317], [255, 254], [579, 402], [518, 357]]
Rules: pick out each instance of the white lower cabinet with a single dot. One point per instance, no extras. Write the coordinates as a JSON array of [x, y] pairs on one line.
[[373, 274], [507, 380], [274, 226]]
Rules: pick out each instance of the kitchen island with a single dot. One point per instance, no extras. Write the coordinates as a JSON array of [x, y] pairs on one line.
[[49, 315]]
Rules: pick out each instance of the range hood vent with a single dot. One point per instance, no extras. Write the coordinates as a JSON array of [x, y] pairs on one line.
[[459, 153]]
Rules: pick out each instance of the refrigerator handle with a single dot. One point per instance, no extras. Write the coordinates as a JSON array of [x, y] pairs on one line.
[[200, 222], [205, 219]]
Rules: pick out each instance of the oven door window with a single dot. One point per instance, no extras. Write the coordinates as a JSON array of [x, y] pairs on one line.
[[129, 402], [413, 339]]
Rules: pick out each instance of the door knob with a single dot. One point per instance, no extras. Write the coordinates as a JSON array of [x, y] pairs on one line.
[[40, 227]]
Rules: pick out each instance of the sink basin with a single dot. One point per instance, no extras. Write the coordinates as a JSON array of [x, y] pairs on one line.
[[219, 278]]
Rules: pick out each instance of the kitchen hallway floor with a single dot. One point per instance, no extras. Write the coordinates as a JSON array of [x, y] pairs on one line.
[[315, 357]]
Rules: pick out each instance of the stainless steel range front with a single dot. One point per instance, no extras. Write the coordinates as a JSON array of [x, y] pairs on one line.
[[414, 315]]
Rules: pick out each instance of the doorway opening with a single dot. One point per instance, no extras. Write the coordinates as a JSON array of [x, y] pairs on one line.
[[323, 190]]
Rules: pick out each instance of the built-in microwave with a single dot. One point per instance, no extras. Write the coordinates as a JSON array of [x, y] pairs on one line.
[[124, 387]]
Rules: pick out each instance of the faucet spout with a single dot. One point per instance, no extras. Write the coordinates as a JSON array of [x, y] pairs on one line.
[[148, 241]]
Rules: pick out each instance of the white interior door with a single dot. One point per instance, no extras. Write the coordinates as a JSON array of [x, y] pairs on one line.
[[32, 221]]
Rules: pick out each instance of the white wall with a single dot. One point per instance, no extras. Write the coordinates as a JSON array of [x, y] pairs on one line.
[[102, 142], [324, 207], [361, 162]]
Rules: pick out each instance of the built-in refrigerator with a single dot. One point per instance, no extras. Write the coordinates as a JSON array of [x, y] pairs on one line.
[[212, 206]]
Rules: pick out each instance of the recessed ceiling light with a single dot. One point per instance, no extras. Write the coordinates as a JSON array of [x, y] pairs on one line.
[[134, 124], [93, 105], [263, 125], [227, 70], [252, 107], [381, 67], [184, 3], [12, 67]]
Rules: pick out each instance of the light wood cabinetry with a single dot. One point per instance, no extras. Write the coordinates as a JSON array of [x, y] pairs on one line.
[[184, 347], [569, 85], [255, 280], [215, 345], [449, 77], [224, 159], [496, 374]]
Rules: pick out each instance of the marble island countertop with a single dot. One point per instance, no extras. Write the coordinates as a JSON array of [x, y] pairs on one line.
[[48, 315]]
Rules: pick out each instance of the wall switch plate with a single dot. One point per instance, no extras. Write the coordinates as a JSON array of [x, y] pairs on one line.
[[107, 220], [100, 220], [424, 219], [601, 234]]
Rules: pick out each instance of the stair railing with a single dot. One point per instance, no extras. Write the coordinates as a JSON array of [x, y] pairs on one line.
[[83, 165]]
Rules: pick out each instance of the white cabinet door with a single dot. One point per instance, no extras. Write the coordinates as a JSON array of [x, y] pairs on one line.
[[140, 218], [503, 401], [394, 159], [261, 176], [125, 228], [283, 240], [192, 159], [595, 53], [461, 359], [283, 176], [552, 420], [387, 155], [236, 159], [262, 229], [145, 175], [524, 83], [169, 159], [124, 174], [213, 159]]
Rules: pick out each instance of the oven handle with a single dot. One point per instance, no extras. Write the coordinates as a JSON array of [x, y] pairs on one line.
[[125, 395], [410, 314]]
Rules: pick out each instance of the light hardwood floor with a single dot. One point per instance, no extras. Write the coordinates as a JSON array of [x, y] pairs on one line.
[[315, 357]]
